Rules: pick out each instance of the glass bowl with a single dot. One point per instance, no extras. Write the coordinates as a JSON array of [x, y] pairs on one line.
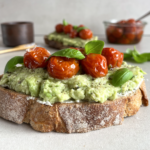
[[124, 32]]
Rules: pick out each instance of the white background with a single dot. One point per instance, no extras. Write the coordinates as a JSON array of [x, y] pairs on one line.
[[47, 13]]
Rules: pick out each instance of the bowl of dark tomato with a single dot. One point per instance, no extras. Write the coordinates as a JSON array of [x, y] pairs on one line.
[[124, 31]]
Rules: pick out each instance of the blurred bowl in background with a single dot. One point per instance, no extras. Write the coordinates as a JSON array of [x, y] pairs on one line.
[[17, 33], [124, 32]]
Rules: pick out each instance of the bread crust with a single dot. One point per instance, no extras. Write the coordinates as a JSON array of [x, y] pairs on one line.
[[144, 94], [77, 117], [69, 117], [55, 44]]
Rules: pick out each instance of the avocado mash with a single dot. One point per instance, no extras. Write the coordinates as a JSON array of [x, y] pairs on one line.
[[37, 83], [66, 40]]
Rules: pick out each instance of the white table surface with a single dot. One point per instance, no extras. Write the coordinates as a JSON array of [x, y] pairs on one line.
[[133, 134]]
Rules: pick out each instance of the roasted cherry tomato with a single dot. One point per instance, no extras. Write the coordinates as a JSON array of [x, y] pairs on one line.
[[121, 22], [113, 56], [123, 40], [130, 36], [95, 65], [110, 30], [130, 27], [68, 28], [131, 21], [82, 50], [139, 34], [73, 34], [81, 25], [139, 30], [62, 67], [111, 39], [117, 33], [125, 32], [86, 34], [59, 28], [36, 58], [109, 33]]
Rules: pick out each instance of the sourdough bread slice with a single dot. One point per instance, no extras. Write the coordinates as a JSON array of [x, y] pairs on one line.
[[55, 44], [69, 117]]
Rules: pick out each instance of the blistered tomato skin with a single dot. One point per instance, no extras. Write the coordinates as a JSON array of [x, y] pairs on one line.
[[131, 21], [95, 65], [124, 40], [81, 25], [62, 67], [111, 39], [110, 30], [114, 57], [68, 28], [73, 34], [122, 22], [117, 33], [85, 34], [59, 28], [36, 58]]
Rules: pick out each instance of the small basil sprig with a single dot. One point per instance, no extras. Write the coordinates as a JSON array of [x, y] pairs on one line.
[[75, 27], [136, 56], [129, 51], [147, 55], [69, 53], [65, 23], [91, 47], [128, 54], [94, 47], [12, 63], [80, 28], [120, 77]]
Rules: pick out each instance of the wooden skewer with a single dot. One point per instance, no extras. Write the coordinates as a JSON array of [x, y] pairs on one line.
[[18, 48]]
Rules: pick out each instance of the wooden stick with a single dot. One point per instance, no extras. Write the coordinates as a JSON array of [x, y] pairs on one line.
[[18, 48]]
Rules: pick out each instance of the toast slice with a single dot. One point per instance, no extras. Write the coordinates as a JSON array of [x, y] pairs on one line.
[[69, 117], [55, 44]]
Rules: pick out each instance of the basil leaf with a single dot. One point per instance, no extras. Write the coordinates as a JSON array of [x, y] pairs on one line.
[[12, 63], [127, 56], [147, 55], [120, 77], [136, 51], [80, 28], [94, 47], [129, 51], [138, 57], [69, 53], [75, 27], [65, 23]]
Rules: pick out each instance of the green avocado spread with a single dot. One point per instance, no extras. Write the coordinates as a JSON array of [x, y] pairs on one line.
[[66, 40], [37, 83]]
